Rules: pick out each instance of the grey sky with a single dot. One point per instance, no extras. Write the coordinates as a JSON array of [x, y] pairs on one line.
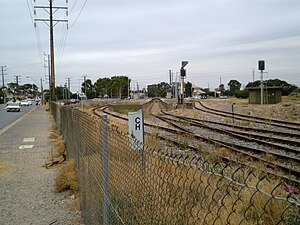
[[144, 39]]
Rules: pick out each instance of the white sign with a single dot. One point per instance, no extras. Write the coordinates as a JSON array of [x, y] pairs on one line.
[[136, 126]]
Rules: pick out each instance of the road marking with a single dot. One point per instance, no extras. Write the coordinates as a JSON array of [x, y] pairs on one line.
[[25, 146], [15, 122], [29, 140]]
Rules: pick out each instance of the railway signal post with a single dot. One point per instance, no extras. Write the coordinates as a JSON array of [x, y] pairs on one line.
[[261, 67], [182, 76]]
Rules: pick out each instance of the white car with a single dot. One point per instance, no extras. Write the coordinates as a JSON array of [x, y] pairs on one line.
[[24, 103], [13, 106]]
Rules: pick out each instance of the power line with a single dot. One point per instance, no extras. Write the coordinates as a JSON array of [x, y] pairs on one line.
[[29, 9], [73, 6], [78, 15]]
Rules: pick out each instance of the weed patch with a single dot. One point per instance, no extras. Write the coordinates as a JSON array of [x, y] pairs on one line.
[[4, 166], [66, 177]]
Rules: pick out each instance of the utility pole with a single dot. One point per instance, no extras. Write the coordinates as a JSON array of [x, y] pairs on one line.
[[128, 88], [18, 77], [84, 80], [69, 88], [253, 73], [49, 10], [3, 69], [49, 72], [42, 92], [176, 90], [3, 84], [170, 75]]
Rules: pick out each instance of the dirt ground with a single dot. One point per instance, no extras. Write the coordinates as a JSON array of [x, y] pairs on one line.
[[288, 109]]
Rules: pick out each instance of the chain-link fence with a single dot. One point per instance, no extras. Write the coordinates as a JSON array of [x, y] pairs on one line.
[[115, 189]]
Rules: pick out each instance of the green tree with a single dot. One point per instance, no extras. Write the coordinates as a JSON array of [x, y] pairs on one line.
[[119, 86], [1, 96], [163, 88], [234, 86], [188, 89], [13, 88], [46, 95], [153, 90], [59, 92], [90, 91], [286, 87], [242, 94], [103, 86], [222, 88], [158, 90]]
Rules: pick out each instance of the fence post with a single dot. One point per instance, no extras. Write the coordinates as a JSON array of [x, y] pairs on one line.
[[105, 169]]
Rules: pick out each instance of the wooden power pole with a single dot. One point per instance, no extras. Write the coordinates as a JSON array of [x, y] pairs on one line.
[[49, 10]]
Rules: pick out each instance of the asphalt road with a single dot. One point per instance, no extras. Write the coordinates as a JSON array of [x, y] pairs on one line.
[[7, 118]]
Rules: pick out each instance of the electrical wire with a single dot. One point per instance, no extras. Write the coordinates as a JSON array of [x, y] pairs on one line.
[[63, 45], [29, 9], [22, 66], [38, 39], [73, 6], [78, 15]]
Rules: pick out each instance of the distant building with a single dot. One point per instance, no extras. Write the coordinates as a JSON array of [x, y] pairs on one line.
[[197, 91], [272, 95]]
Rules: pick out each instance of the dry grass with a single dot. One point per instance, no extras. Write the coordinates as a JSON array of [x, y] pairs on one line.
[[66, 178], [58, 155], [54, 135], [174, 191], [4, 166], [60, 148], [175, 194], [121, 125]]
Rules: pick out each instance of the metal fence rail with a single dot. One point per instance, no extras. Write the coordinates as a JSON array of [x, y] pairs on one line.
[[169, 189]]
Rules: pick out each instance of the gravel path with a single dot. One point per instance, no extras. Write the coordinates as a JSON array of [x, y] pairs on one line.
[[27, 192]]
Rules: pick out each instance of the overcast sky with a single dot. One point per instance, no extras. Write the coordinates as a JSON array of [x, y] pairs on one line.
[[145, 39]]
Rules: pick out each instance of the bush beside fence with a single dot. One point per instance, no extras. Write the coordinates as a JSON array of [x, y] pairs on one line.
[[117, 188]]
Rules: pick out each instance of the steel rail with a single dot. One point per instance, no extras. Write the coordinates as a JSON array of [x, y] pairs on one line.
[[249, 120], [245, 135], [253, 117], [235, 148]]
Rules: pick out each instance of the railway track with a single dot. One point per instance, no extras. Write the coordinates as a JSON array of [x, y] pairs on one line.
[[293, 126], [259, 138], [253, 153]]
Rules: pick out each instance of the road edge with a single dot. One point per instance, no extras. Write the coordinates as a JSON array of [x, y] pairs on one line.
[[4, 129]]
